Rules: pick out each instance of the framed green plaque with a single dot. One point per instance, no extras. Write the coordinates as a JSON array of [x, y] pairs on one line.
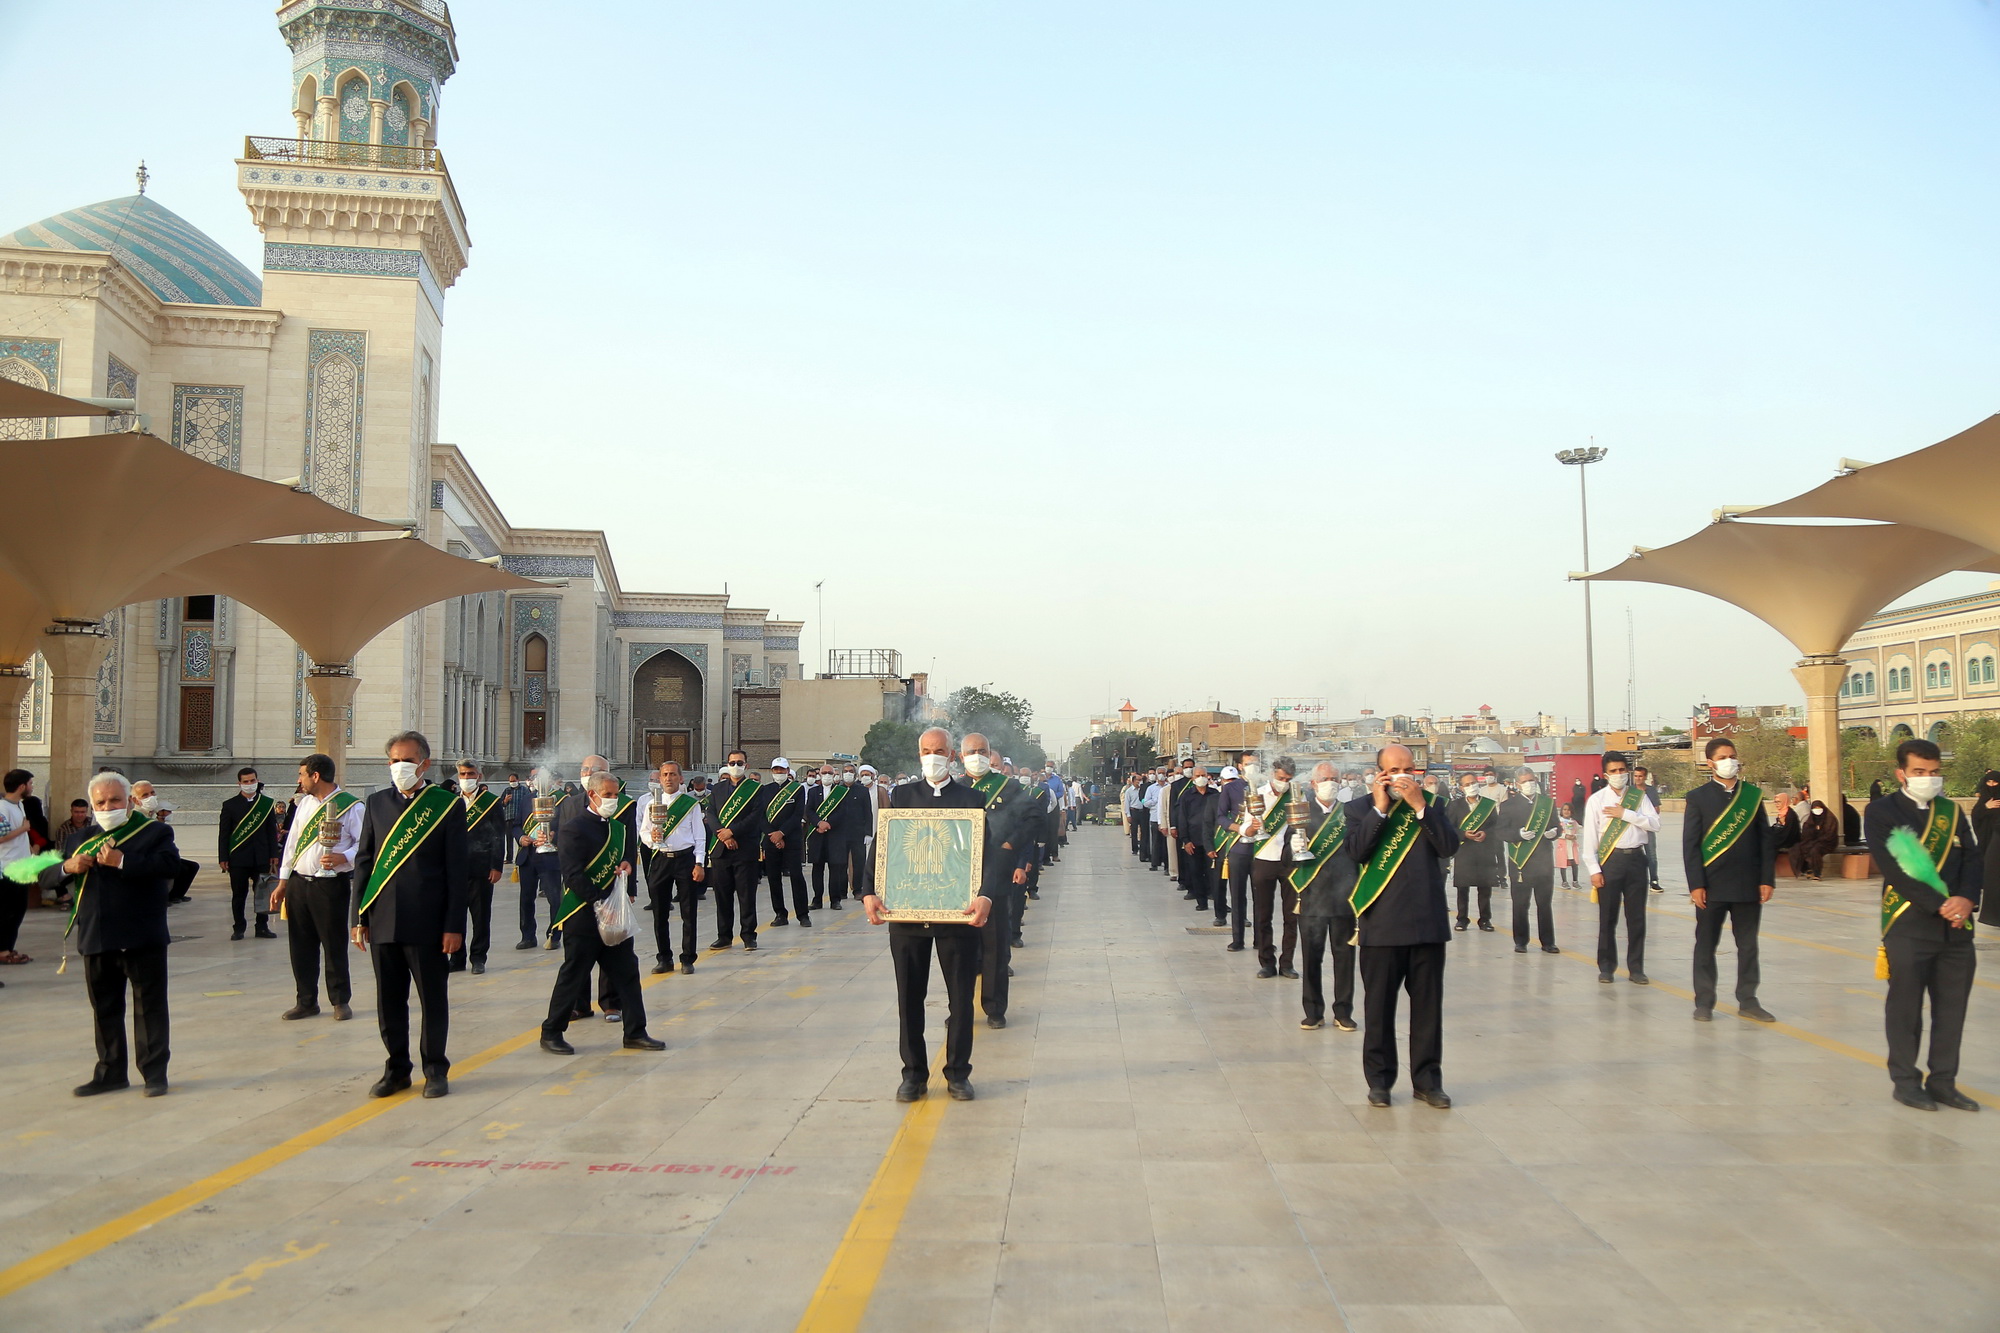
[[927, 863]]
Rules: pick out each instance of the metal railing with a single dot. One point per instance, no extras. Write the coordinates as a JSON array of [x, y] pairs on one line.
[[333, 153]]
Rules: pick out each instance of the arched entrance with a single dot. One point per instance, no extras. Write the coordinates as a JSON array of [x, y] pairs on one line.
[[666, 710]]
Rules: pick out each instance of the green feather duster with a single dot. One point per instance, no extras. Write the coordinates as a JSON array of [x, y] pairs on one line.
[[29, 868], [1911, 858]]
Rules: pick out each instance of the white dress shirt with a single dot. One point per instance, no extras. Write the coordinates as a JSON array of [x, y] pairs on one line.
[[687, 834], [1603, 807], [305, 860], [1273, 848]]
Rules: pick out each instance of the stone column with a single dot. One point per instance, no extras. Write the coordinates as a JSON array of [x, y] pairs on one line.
[[304, 121], [329, 117], [1820, 678], [333, 685], [378, 111], [74, 651], [14, 683]]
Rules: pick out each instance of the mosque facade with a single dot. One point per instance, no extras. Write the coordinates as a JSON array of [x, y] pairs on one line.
[[323, 370]]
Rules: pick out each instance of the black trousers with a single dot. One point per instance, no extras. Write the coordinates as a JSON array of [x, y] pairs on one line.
[[1270, 895], [996, 953], [1316, 934], [1198, 874], [479, 921], [1159, 847], [242, 885], [316, 930], [780, 863], [670, 883], [106, 975], [1485, 902], [1055, 837], [1536, 887], [184, 875], [1624, 887], [583, 949], [13, 906], [838, 864], [396, 966], [1240, 857], [1135, 828], [1921, 967], [1743, 920], [733, 876], [1385, 970], [540, 877], [958, 954]]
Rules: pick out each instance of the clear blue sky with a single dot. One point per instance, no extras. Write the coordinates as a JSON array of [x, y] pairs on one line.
[[1177, 351]]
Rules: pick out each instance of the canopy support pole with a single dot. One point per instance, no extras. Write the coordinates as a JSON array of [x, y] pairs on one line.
[[333, 685], [74, 650], [14, 682], [1820, 677]]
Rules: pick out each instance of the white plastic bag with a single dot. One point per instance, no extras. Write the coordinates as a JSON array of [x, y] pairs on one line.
[[615, 923]]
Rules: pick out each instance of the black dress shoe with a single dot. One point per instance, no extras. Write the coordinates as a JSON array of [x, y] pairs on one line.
[[718, 944], [911, 1089], [1641, 979], [1550, 948], [266, 933], [1704, 1015], [817, 904], [1378, 1096], [582, 1015], [996, 1021], [1760, 1014], [1434, 1097], [341, 1013], [1309, 1024], [1916, 1097], [749, 948], [1016, 943], [838, 907], [960, 1090], [158, 1088], [92, 1088], [299, 1011], [1486, 926], [1267, 972], [1520, 948], [389, 1085], [236, 934], [1035, 895], [478, 969], [1953, 1098], [662, 967], [1460, 925], [781, 921], [437, 1087], [557, 1046], [805, 920], [1344, 1024], [1232, 948], [525, 944], [1606, 978], [687, 969], [1221, 921], [1288, 974], [644, 1044]]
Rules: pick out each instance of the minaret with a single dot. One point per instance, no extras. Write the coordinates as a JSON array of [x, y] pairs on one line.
[[362, 237]]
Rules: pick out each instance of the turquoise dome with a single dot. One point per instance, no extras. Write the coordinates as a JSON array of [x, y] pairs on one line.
[[156, 245]]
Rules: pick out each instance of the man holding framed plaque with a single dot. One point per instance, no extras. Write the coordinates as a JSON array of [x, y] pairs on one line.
[[930, 853]]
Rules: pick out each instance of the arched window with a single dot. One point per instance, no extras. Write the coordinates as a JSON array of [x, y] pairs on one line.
[[1901, 731], [535, 654], [1989, 670], [1906, 678], [1930, 675], [352, 110], [1868, 685], [1939, 733], [1944, 675], [1844, 690]]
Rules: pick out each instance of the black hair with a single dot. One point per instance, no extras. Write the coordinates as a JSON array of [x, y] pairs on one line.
[[1716, 743], [79, 804], [17, 778], [1612, 757], [1920, 748], [1283, 764], [243, 773], [319, 765]]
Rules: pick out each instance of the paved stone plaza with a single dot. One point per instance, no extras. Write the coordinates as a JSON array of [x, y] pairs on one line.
[[1156, 1145]]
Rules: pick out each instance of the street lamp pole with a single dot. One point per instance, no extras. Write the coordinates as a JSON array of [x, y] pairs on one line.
[[1581, 459]]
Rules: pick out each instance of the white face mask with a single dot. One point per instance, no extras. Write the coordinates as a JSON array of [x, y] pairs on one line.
[[1201, 781], [247, 788], [935, 766], [404, 774], [1531, 790], [468, 785], [1280, 783], [733, 770], [978, 765], [149, 803], [1925, 788], [1324, 789], [1727, 769], [1617, 780], [110, 819], [607, 806], [867, 779]]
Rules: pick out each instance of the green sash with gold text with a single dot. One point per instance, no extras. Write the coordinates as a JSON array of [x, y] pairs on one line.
[[1538, 823], [418, 821], [1746, 805], [1400, 831]]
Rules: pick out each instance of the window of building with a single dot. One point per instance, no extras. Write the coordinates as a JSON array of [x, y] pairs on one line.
[[1930, 675], [1868, 684], [1944, 675], [1844, 691]]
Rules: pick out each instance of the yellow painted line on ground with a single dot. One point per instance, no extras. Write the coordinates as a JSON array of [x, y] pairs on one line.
[[849, 1281], [1792, 1031], [53, 1260]]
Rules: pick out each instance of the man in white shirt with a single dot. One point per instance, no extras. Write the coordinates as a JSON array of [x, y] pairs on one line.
[[1618, 821], [880, 794], [1155, 831], [1277, 845], [675, 856], [314, 884]]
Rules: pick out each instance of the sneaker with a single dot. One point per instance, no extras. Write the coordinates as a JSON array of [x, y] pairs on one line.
[[1344, 1024], [613, 1015], [1658, 889], [1310, 1025]]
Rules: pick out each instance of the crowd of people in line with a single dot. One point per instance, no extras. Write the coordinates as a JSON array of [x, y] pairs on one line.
[[1355, 865]]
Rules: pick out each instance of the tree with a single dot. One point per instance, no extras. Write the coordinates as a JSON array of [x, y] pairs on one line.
[[1772, 757], [1000, 717], [891, 746], [1864, 759], [1972, 746], [1672, 771], [1121, 752]]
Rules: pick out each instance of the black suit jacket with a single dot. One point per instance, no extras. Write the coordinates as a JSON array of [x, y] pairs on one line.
[[1511, 818], [787, 819], [1964, 867], [1194, 813], [1474, 862], [485, 845], [578, 842], [918, 795], [424, 901], [1736, 874], [1011, 829], [125, 908], [257, 853], [1330, 891], [747, 826], [1412, 908]]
